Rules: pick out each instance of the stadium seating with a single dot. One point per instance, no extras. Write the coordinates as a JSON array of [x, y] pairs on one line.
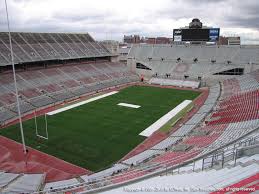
[[142, 157], [43, 87], [192, 140], [105, 173], [243, 175], [201, 141], [55, 185], [188, 53], [5, 115], [20, 183], [166, 143], [6, 178], [129, 175], [228, 115], [197, 137], [42, 101], [232, 132], [178, 83], [24, 107], [213, 62], [174, 157], [236, 109], [183, 131], [29, 47], [197, 118]]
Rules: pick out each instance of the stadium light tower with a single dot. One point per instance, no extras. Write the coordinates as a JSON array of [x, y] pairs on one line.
[[14, 78]]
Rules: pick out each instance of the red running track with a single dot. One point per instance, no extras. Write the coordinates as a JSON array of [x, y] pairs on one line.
[[13, 160]]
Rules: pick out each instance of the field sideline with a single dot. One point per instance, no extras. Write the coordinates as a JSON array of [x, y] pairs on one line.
[[97, 134]]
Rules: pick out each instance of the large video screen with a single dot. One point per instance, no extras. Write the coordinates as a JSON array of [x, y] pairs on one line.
[[211, 34]]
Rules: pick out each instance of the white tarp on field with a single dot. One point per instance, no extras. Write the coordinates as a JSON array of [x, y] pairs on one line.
[[80, 103], [128, 105], [163, 120]]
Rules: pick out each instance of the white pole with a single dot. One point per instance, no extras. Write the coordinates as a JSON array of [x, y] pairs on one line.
[[15, 83]]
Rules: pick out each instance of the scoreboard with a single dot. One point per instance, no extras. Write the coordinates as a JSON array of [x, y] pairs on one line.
[[196, 34]]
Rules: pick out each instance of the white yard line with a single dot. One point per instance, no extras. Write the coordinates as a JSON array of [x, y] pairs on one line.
[[128, 105], [80, 103], [164, 119]]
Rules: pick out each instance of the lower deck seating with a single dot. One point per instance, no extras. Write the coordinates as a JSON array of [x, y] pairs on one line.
[[166, 143], [129, 175], [6, 178], [41, 101], [61, 96], [20, 183], [201, 141], [24, 107], [137, 159], [172, 158], [198, 137], [238, 108], [5, 115], [105, 173], [172, 82], [55, 185], [243, 175], [57, 84], [231, 119]]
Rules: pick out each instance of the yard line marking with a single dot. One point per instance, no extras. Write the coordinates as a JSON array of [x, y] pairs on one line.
[[129, 105], [80, 103]]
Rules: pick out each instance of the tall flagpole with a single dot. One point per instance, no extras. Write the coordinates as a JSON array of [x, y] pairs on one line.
[[14, 78]]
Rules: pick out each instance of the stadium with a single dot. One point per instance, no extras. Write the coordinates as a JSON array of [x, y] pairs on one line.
[[175, 118]]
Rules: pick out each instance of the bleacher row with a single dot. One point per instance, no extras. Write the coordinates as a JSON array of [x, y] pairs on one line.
[[29, 47], [173, 82], [240, 84], [13, 183], [204, 54], [39, 88], [222, 180], [137, 159], [206, 63], [195, 138], [179, 70], [20, 183]]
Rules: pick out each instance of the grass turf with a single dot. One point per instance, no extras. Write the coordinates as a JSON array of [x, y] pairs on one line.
[[97, 134]]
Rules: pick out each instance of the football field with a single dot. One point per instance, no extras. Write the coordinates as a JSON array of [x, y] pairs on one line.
[[98, 134]]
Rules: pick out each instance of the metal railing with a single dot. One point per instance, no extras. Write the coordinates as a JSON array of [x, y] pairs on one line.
[[217, 157]]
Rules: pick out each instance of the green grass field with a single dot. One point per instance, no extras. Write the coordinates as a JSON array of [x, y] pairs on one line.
[[97, 134]]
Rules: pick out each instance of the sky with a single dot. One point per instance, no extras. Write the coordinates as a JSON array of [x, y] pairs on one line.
[[111, 19]]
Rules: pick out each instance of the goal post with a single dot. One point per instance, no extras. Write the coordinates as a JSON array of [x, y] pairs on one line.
[[43, 129]]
